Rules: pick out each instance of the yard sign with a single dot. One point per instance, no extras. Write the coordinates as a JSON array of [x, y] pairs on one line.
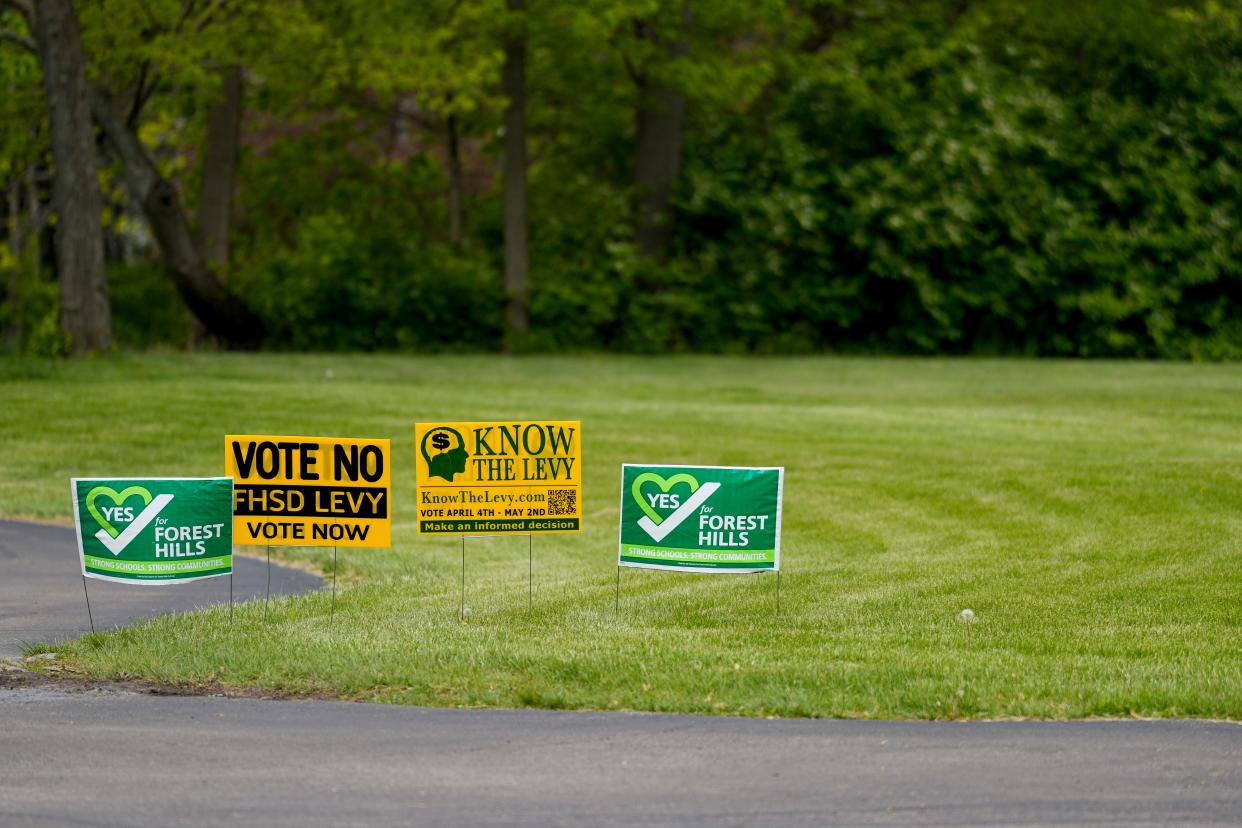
[[310, 491], [701, 518], [154, 530], [499, 478]]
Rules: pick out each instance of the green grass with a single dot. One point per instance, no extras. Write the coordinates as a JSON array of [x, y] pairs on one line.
[[1089, 513]]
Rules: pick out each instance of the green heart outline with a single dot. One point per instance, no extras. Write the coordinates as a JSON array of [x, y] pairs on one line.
[[665, 485], [118, 498]]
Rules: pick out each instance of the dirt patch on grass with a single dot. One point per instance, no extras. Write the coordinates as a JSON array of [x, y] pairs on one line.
[[14, 676]]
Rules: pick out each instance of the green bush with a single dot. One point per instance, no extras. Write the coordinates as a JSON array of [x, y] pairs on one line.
[[31, 309], [147, 311], [343, 288], [1049, 185]]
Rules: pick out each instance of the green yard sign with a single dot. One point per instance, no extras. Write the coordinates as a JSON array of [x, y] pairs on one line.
[[701, 518], [154, 530]]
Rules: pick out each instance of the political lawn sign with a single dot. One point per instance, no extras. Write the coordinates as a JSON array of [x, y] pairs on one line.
[[701, 518], [497, 478], [154, 530], [310, 491]]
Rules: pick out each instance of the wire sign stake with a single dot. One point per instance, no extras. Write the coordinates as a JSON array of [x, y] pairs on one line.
[[333, 614]]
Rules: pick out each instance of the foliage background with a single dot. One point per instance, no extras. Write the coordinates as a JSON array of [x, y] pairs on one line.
[[1046, 178]]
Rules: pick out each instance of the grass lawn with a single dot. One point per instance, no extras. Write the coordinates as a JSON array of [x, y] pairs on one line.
[[1089, 513]]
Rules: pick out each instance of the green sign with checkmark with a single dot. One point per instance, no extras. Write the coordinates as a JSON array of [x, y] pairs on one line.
[[154, 530], [701, 518]]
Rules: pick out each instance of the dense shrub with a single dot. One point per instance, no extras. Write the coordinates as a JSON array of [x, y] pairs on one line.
[[147, 312], [1045, 195], [341, 287]]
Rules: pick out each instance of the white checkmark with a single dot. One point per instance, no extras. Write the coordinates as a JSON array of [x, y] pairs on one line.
[[660, 531], [117, 545]]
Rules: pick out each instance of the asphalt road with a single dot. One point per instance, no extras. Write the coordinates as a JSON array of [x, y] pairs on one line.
[[71, 756], [106, 759], [41, 596]]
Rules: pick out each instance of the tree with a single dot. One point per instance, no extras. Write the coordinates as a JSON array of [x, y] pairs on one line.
[[439, 58], [660, 117], [431, 65], [85, 313], [516, 220], [221, 148], [143, 52], [22, 156], [715, 55], [222, 312]]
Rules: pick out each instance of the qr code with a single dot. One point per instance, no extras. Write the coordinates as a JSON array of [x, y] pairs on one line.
[[562, 501]]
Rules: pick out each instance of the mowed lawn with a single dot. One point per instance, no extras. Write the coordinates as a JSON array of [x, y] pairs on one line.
[[1089, 513]]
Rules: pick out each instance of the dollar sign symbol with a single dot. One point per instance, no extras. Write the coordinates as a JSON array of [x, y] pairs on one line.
[[440, 441]]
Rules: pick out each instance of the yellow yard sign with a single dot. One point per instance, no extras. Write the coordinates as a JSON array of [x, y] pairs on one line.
[[309, 491], [499, 478]]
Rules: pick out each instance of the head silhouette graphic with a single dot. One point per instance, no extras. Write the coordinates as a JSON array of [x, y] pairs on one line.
[[450, 455]]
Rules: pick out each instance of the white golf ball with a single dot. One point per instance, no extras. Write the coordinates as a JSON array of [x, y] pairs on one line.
[[466, 612], [968, 615]]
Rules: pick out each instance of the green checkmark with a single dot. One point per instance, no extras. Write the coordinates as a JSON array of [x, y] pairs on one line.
[[665, 485], [116, 497]]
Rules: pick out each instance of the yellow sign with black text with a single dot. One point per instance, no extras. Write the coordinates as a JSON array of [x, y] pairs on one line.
[[310, 491], [499, 478]]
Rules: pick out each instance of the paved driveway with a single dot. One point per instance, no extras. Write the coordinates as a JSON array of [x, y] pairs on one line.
[[41, 595]]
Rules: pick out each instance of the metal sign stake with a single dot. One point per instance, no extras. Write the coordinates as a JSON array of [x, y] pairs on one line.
[[333, 614], [268, 598], [230, 597], [618, 610], [88, 602]]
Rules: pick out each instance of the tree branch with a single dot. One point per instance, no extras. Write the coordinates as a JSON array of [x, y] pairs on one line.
[[639, 78], [139, 171], [22, 7], [204, 20], [36, 221], [140, 92], [153, 22], [186, 10], [19, 40]]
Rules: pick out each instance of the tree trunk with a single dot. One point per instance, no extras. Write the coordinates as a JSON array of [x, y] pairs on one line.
[[456, 198], [221, 312], [657, 155], [215, 199], [517, 252], [38, 215], [13, 331], [215, 203], [657, 163], [12, 216], [84, 311]]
